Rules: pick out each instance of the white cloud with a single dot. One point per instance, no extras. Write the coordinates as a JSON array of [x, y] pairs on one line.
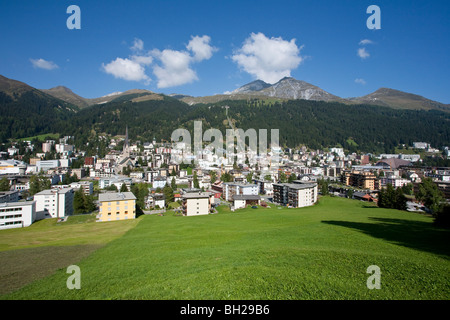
[[172, 68], [365, 41], [43, 64], [142, 60], [175, 68], [126, 69], [360, 81], [201, 48], [362, 53], [138, 45], [268, 59]]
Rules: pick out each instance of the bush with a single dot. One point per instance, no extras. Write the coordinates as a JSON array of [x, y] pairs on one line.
[[442, 218]]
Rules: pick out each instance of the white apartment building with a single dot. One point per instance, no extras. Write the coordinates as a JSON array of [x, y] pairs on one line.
[[45, 165], [295, 194], [196, 203], [17, 214], [232, 188], [57, 202], [87, 186]]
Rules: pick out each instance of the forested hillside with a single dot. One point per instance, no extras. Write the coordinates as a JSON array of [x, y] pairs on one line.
[[316, 124]]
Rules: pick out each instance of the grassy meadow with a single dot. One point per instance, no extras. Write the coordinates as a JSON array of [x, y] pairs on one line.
[[319, 252]]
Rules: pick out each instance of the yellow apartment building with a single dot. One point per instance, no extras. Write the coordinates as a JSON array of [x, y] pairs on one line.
[[116, 206]]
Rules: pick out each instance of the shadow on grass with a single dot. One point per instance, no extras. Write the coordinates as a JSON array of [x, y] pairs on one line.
[[418, 235]]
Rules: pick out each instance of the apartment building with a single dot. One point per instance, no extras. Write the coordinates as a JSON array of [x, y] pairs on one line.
[[56, 202], [17, 214], [361, 179], [86, 186], [197, 203], [233, 188], [116, 206], [296, 195]]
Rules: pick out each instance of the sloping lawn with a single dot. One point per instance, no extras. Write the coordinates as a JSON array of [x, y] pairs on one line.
[[319, 252], [37, 251]]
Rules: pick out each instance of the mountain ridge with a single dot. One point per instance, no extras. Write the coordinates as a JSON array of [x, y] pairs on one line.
[[286, 88]]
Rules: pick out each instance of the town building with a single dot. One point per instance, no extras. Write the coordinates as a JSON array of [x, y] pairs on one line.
[[9, 196], [17, 214], [241, 201], [234, 188], [12, 167], [116, 206], [196, 203], [156, 200], [361, 180], [57, 203], [86, 186], [296, 195]]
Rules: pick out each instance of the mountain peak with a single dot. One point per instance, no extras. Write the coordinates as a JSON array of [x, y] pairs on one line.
[[253, 86]]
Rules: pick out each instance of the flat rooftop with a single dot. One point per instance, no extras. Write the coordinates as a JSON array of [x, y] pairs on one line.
[[195, 195], [119, 196]]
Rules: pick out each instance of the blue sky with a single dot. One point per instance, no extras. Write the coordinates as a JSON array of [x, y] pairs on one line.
[[209, 47]]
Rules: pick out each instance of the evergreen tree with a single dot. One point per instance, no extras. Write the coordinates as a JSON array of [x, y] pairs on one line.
[[392, 198], [168, 193], [430, 195], [195, 181], [79, 201], [173, 184], [350, 193], [292, 177], [213, 176], [4, 185], [123, 188]]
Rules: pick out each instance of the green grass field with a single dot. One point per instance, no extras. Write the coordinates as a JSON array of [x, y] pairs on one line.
[[41, 137], [319, 252]]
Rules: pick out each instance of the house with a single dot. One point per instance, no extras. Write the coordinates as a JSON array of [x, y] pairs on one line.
[[296, 195], [118, 182], [116, 206], [156, 199], [265, 187], [232, 188], [159, 182], [9, 196], [80, 172], [241, 201], [17, 214], [196, 203], [56, 202], [364, 197], [87, 186]]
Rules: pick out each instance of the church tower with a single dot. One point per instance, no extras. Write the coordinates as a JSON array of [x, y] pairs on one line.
[[126, 147]]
